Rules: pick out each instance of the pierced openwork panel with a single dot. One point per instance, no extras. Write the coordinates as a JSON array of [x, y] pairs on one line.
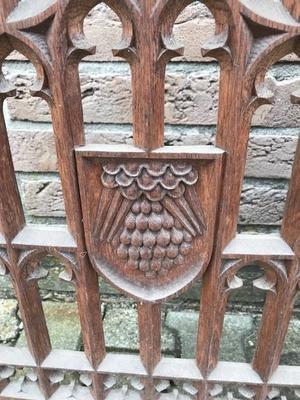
[[150, 219]]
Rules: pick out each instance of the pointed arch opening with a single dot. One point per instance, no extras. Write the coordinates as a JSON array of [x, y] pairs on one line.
[[192, 81], [105, 81]]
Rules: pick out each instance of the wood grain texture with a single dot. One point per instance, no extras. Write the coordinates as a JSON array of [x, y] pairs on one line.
[[151, 219]]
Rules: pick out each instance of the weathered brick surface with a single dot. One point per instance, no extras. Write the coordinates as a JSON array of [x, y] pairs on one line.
[[33, 150], [261, 203], [269, 155], [193, 28], [43, 197], [191, 99]]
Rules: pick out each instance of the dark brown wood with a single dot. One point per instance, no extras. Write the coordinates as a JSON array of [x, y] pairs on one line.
[[151, 219]]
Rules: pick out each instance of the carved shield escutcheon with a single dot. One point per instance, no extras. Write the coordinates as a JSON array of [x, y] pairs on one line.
[[149, 217]]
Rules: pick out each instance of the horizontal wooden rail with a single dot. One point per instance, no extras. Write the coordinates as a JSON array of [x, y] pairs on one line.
[[167, 368]]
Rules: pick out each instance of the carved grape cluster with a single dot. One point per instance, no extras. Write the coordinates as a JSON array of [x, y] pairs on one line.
[[155, 214], [152, 241]]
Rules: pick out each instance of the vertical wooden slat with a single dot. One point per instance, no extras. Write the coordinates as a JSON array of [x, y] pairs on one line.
[[68, 130], [148, 81], [12, 221], [87, 290], [149, 317], [278, 309], [290, 229], [231, 107], [276, 316], [262, 392]]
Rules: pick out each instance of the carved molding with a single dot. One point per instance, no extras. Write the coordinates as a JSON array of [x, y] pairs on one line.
[[275, 271], [153, 214], [30, 266]]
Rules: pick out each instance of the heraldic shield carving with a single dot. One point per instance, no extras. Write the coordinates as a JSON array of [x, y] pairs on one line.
[[149, 217]]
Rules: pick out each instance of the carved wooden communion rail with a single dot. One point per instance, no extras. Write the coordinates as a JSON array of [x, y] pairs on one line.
[[155, 218]]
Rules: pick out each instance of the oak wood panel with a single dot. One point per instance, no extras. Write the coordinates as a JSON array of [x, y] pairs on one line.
[[151, 219]]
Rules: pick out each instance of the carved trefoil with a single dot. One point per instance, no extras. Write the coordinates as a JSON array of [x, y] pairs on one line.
[[154, 215]]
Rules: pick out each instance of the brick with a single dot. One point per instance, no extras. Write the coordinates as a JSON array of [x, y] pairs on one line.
[[43, 198], [261, 203], [191, 99], [270, 153], [33, 150]]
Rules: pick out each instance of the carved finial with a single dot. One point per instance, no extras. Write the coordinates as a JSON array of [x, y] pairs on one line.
[[41, 89], [80, 48], [169, 50]]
